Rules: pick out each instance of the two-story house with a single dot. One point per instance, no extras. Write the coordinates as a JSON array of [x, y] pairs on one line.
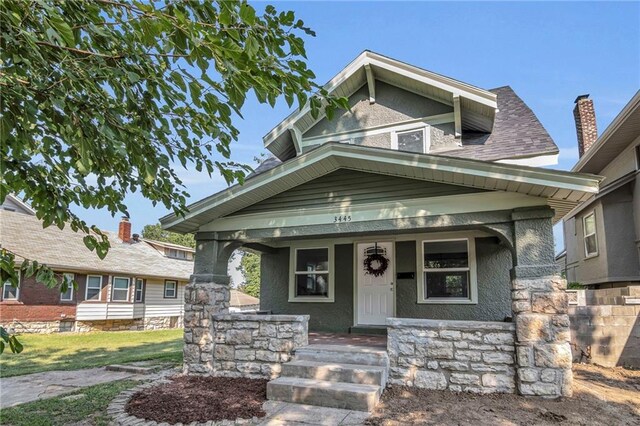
[[602, 234]]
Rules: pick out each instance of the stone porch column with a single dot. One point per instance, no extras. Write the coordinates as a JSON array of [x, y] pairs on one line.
[[206, 294], [540, 309]]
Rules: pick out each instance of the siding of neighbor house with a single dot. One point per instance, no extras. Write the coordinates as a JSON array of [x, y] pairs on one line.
[[494, 304], [344, 188]]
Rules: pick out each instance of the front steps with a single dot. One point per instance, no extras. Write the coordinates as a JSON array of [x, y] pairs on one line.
[[348, 377]]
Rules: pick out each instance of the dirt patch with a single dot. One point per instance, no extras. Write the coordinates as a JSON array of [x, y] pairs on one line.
[[200, 399], [602, 396]]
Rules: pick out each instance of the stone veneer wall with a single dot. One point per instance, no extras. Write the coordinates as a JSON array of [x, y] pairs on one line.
[[256, 346], [48, 327], [469, 356]]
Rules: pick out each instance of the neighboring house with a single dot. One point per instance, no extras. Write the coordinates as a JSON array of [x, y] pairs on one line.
[[602, 234], [242, 302], [135, 287], [422, 202]]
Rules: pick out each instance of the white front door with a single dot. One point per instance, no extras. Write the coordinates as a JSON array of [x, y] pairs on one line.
[[375, 293]]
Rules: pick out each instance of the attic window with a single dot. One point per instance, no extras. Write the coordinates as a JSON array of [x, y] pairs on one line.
[[413, 140]]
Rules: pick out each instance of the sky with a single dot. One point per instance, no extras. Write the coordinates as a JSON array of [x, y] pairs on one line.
[[549, 53]]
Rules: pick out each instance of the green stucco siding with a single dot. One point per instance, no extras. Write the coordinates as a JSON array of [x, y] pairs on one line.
[[494, 291], [274, 291], [494, 285]]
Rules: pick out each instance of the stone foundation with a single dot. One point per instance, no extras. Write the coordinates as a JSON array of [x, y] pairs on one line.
[[461, 356], [256, 346], [48, 327], [543, 352]]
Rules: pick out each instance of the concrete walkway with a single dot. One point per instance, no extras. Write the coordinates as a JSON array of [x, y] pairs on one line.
[[289, 414], [20, 389]]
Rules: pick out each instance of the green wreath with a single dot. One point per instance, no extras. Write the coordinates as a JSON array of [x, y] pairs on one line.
[[381, 269]]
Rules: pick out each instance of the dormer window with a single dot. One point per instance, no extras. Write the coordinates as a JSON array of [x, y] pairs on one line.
[[413, 140], [177, 254]]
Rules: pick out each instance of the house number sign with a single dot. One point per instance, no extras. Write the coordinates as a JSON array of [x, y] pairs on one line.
[[338, 219]]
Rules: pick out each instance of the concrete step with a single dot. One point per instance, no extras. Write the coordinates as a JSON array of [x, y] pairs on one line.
[[343, 354], [323, 393], [336, 372], [369, 330]]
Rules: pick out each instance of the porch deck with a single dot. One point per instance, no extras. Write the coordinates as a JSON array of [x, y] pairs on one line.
[[348, 339]]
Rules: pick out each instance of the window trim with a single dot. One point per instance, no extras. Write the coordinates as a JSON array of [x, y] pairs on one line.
[[588, 255], [135, 290], [473, 276], [113, 289], [86, 289], [293, 252], [73, 277], [426, 142], [4, 284], [175, 290]]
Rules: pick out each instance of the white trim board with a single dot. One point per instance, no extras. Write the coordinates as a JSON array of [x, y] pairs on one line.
[[414, 208]]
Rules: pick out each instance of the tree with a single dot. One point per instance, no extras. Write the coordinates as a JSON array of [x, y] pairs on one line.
[[250, 268], [155, 232], [108, 97]]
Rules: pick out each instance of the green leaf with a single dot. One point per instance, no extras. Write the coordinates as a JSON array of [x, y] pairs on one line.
[[63, 29], [247, 14]]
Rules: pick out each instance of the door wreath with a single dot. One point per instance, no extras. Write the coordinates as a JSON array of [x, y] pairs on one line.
[[374, 269]]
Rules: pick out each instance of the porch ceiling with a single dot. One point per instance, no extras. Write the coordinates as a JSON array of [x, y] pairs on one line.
[[562, 190]]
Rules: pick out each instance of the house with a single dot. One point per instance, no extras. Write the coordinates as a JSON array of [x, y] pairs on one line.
[[135, 287], [602, 234], [421, 212]]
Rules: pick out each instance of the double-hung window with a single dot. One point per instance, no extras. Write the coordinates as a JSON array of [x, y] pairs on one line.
[[170, 289], [10, 292], [448, 272], [139, 294], [311, 277], [590, 236], [67, 296], [120, 289], [94, 287]]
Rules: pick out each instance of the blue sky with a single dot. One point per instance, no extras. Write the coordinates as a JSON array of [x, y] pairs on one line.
[[547, 52]]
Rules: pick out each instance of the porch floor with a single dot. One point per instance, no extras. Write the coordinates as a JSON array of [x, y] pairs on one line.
[[347, 339]]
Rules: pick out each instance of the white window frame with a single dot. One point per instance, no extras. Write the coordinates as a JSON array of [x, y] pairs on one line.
[[473, 276], [135, 291], [588, 255], [292, 275], [68, 276], [425, 138], [114, 289], [175, 289], [8, 283], [86, 289]]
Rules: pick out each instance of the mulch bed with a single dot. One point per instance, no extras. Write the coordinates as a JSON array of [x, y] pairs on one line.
[[200, 399]]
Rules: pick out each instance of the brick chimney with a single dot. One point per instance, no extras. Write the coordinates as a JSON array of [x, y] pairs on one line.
[[585, 117], [124, 230]]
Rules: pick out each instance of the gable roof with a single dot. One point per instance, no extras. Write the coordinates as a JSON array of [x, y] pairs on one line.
[[621, 132], [517, 133], [240, 299], [64, 249], [13, 202], [564, 190], [478, 106]]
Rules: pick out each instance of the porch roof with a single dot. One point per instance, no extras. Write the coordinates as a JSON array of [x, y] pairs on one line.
[[562, 190]]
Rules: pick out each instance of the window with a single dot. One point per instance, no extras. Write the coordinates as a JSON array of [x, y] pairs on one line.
[[67, 296], [448, 272], [590, 237], [120, 292], [94, 287], [311, 279], [170, 289], [10, 292], [411, 141], [139, 296]]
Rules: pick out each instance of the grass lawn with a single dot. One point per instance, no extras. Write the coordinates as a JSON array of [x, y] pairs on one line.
[[90, 409], [73, 351]]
